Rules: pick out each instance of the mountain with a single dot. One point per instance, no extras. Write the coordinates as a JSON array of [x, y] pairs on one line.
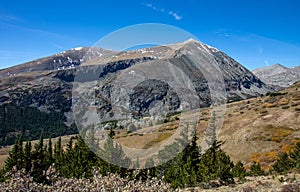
[[64, 60], [39, 96], [278, 75]]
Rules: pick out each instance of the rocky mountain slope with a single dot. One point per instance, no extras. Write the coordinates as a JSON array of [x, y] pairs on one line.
[[64, 60], [278, 75], [42, 89]]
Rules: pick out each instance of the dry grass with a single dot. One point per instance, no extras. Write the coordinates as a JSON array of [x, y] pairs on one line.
[[161, 137], [266, 157]]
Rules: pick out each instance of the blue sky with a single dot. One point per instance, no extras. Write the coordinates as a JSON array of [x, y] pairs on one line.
[[255, 33]]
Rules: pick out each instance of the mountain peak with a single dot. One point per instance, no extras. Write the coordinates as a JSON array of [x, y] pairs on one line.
[[191, 40], [279, 66]]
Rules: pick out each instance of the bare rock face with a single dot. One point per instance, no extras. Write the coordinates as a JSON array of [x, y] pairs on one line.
[[46, 84], [278, 76], [148, 93]]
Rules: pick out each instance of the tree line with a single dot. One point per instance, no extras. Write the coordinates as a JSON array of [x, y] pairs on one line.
[[31, 122], [188, 168]]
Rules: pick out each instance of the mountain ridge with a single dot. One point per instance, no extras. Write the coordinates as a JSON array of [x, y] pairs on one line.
[[278, 75]]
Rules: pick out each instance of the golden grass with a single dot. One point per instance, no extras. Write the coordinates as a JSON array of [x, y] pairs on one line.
[[265, 157], [285, 148], [269, 105], [283, 101], [271, 133], [161, 137]]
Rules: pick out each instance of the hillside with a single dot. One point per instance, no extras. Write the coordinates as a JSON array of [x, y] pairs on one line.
[[254, 130]]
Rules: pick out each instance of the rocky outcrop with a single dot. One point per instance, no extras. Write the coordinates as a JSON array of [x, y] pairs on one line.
[[148, 93]]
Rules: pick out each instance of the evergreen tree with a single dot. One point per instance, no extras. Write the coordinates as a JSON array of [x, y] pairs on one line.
[[182, 170], [49, 154], [58, 154], [16, 156], [27, 157], [79, 160], [295, 156], [215, 164], [288, 161], [90, 138], [283, 163], [238, 170], [114, 154], [255, 170], [39, 164], [211, 131]]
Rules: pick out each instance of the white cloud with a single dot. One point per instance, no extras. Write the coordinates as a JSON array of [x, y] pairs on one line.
[[175, 15], [162, 10], [267, 63], [154, 8]]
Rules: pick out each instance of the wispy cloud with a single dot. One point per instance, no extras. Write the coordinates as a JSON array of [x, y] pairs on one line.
[[8, 21], [175, 15], [154, 8], [267, 63], [9, 18], [41, 32]]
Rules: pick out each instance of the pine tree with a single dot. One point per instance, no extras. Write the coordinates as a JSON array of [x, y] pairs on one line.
[[211, 131], [58, 155], [79, 160], [283, 163], [295, 156], [238, 170], [255, 170], [39, 164], [215, 164], [27, 157], [49, 154], [90, 138], [182, 170], [194, 151], [288, 161], [16, 156]]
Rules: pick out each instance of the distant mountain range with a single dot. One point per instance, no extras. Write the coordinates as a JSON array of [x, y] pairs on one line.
[[278, 75], [41, 90]]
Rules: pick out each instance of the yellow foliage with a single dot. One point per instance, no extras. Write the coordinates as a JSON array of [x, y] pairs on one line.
[[264, 157], [283, 101], [285, 148]]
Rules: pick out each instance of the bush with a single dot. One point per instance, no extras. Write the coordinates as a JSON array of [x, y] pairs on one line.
[[288, 161], [255, 170], [239, 171]]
